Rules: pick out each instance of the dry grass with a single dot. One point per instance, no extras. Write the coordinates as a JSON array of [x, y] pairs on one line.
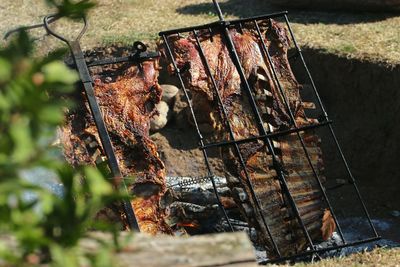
[[372, 40], [355, 35], [119, 21], [377, 258]]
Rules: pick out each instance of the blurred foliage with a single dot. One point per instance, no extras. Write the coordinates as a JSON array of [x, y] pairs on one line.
[[45, 228], [72, 9]]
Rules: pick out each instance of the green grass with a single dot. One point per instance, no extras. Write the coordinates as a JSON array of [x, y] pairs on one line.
[[360, 35], [347, 48], [129, 38]]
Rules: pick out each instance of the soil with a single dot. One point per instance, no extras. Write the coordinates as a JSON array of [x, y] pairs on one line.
[[363, 99]]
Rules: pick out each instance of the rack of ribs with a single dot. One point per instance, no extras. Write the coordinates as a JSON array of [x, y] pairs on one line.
[[127, 103], [260, 169]]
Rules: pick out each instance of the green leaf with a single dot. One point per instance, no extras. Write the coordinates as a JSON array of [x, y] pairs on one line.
[[64, 257], [4, 103], [51, 114], [72, 9], [57, 72], [54, 55], [97, 184], [104, 257], [22, 140], [19, 47], [5, 70]]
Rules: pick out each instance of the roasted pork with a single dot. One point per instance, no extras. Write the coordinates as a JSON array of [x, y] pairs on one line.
[[259, 166], [127, 103]]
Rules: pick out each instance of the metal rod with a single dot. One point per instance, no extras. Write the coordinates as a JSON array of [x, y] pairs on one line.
[[217, 23], [28, 28], [267, 141], [101, 127], [293, 121], [210, 173], [87, 82], [189, 29], [218, 9], [243, 166], [262, 17], [137, 57], [352, 180], [270, 135]]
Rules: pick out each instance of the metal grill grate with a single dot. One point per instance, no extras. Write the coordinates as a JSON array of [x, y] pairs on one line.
[[82, 66], [223, 27]]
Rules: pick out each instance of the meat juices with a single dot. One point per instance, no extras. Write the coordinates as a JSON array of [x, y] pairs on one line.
[[127, 104], [302, 184]]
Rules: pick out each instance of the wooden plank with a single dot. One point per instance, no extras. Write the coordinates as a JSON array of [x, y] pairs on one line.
[[226, 249]]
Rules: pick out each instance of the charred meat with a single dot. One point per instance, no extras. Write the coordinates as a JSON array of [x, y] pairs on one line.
[[258, 167], [127, 103]]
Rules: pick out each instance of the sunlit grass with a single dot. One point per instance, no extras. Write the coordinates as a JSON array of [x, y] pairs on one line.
[[375, 37]]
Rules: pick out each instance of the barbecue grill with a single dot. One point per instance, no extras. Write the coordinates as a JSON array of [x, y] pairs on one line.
[[223, 26], [265, 135]]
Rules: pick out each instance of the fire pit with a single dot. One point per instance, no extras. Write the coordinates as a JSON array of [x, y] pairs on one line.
[[247, 109]]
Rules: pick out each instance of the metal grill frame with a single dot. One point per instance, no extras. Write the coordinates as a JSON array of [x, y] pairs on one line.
[[78, 62], [223, 27]]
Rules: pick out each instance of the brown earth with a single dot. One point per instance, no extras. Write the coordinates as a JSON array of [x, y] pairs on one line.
[[363, 99]]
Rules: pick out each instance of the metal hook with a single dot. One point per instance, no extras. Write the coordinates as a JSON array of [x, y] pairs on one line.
[[24, 28], [54, 17], [139, 46]]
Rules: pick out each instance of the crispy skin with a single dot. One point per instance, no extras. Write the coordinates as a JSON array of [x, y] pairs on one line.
[[127, 105], [258, 161]]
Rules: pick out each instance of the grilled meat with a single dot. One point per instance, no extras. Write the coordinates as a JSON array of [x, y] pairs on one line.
[[259, 166], [127, 104]]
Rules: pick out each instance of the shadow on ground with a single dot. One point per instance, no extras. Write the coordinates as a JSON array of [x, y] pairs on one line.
[[258, 7]]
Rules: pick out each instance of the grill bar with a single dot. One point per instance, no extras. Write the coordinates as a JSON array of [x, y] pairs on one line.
[[293, 121], [218, 23], [270, 135], [201, 141], [87, 83], [332, 132], [237, 150], [262, 131]]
